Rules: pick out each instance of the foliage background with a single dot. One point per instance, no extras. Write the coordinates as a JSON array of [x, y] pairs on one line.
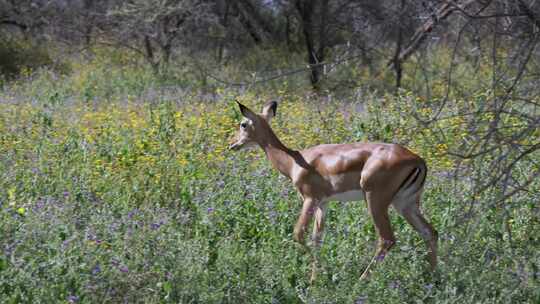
[[116, 185], [117, 189]]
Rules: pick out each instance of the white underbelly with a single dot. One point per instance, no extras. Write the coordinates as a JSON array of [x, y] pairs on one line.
[[348, 196]]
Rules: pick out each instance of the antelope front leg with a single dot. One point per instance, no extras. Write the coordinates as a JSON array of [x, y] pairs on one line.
[[318, 226], [303, 220]]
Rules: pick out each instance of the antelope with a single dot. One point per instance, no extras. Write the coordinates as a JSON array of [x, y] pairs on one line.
[[383, 174]]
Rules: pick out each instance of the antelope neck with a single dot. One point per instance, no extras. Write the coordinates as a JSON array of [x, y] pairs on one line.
[[278, 154]]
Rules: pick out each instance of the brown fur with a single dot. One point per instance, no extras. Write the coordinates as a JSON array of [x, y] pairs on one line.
[[376, 169]]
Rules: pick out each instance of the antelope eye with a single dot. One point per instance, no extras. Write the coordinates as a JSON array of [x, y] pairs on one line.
[[243, 125]]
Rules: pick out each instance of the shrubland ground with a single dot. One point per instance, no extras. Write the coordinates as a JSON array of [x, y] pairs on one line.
[[116, 186]]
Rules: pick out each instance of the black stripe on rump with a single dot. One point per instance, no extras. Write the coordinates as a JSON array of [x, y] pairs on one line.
[[416, 173]]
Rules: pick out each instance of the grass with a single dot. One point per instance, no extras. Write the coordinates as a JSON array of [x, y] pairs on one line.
[[109, 193]]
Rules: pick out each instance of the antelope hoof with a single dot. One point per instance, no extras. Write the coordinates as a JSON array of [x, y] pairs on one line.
[[313, 278], [299, 238], [364, 275]]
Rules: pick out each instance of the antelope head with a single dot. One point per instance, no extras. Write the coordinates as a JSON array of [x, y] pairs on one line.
[[254, 128]]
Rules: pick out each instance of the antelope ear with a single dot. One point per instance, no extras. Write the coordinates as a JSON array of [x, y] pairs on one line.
[[269, 110], [246, 112]]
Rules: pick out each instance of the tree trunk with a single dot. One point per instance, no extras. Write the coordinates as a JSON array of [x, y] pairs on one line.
[[306, 10], [288, 32], [397, 61], [257, 20], [89, 23], [150, 57], [225, 23]]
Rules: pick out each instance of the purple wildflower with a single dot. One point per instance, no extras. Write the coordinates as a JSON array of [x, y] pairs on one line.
[[66, 194], [96, 270], [210, 210], [361, 300], [132, 213], [72, 299], [273, 216], [39, 204], [113, 227], [394, 285], [346, 230], [124, 268]]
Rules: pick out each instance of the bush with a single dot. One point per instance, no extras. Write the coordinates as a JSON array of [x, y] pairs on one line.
[[17, 56]]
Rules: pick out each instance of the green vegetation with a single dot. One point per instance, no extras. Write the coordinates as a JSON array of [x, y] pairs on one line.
[[116, 188]]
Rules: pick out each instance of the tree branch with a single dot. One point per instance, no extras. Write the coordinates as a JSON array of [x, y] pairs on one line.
[[446, 9]]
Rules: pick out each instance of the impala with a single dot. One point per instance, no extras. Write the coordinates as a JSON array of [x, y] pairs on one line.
[[382, 174]]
